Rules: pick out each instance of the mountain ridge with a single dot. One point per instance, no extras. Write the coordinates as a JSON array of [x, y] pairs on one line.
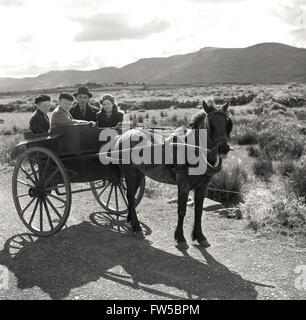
[[269, 62]]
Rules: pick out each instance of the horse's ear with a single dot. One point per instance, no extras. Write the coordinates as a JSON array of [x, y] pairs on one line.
[[206, 107], [226, 105]]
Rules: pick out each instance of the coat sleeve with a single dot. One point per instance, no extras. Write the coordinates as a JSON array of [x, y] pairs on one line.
[[59, 119], [120, 117], [37, 126]]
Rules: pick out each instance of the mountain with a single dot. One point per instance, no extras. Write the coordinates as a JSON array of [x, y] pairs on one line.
[[261, 63]]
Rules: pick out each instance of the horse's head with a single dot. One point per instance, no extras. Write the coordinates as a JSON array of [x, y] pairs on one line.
[[218, 124]]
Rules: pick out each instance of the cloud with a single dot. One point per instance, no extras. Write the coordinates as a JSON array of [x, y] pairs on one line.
[[12, 3], [216, 1], [107, 27], [299, 34], [293, 14], [25, 38]]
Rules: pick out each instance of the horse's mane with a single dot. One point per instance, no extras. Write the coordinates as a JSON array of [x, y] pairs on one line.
[[197, 119]]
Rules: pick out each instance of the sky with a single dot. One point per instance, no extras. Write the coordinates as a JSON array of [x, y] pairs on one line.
[[37, 36]]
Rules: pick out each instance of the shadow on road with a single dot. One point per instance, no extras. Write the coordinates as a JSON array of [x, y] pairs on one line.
[[87, 252]]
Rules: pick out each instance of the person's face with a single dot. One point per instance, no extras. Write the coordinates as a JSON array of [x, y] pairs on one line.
[[82, 99], [44, 106], [107, 105], [65, 104]]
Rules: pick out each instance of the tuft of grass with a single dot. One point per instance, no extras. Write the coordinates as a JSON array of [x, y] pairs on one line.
[[229, 179], [6, 149], [247, 138], [253, 152], [286, 167], [275, 211], [140, 118], [298, 181], [263, 168]]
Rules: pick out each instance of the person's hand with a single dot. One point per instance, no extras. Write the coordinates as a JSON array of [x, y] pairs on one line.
[[92, 124]]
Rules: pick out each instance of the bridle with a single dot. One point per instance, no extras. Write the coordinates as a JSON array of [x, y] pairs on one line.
[[208, 116]]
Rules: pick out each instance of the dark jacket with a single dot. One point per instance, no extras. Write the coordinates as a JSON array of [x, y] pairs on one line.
[[104, 121], [90, 113], [39, 122]]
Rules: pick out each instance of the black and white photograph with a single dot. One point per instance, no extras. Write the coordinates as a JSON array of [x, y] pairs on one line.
[[152, 151]]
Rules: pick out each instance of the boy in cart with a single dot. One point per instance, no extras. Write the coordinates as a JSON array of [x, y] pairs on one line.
[[61, 115]]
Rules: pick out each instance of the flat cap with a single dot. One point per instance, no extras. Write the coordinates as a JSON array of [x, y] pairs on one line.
[[42, 98], [67, 96]]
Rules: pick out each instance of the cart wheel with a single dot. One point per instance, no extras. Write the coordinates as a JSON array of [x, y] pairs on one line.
[[113, 196], [41, 191]]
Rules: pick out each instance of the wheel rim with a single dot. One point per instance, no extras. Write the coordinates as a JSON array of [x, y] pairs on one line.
[[113, 196], [41, 191]]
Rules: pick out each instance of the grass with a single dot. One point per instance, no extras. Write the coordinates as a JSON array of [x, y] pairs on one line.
[[273, 210], [297, 179], [6, 148], [263, 168], [230, 179], [253, 152]]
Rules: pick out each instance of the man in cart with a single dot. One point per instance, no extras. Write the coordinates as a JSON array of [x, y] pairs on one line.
[[83, 110]]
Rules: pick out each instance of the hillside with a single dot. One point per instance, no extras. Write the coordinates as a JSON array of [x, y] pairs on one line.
[[261, 63]]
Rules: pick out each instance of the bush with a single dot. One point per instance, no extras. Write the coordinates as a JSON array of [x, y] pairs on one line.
[[286, 167], [230, 179], [253, 152], [279, 139], [140, 118], [277, 106], [258, 111], [247, 138], [278, 147], [263, 168], [9, 145], [298, 181], [275, 211], [301, 115]]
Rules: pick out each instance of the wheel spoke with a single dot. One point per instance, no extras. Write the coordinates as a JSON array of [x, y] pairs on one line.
[[33, 170], [57, 198], [52, 176], [109, 196], [23, 195], [27, 174], [24, 183], [41, 214], [123, 196], [104, 189], [116, 197], [45, 169], [33, 213], [48, 213], [53, 207], [28, 205]]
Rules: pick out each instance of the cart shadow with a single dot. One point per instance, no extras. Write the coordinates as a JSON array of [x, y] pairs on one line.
[[87, 252]]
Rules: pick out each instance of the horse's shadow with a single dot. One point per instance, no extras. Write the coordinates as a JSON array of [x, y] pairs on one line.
[[86, 252]]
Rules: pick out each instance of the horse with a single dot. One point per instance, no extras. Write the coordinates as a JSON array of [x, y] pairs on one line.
[[219, 126]]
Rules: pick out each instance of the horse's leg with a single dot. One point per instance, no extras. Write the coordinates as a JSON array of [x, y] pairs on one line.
[[183, 192], [197, 233], [132, 183]]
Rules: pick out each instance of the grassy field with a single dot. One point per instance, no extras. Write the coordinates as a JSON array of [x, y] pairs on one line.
[[267, 168]]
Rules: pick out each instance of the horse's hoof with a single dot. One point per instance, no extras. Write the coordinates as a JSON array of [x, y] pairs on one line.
[[182, 245], [139, 235], [204, 243]]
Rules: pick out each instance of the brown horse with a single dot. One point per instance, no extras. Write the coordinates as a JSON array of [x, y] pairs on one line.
[[219, 126]]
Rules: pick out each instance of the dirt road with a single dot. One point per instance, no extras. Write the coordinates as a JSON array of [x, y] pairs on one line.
[[95, 257]]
